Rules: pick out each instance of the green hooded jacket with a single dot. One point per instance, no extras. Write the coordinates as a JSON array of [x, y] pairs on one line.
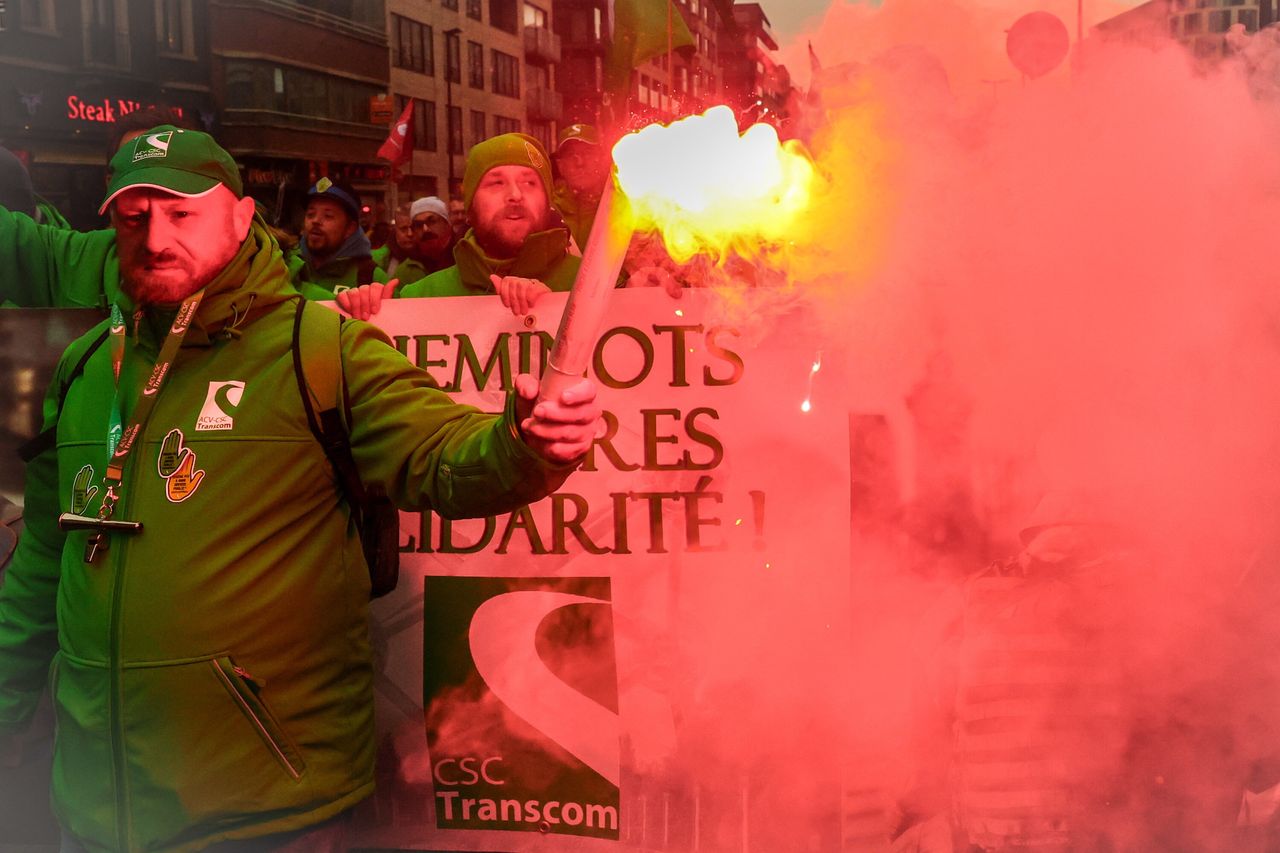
[[47, 266], [334, 277], [211, 673], [543, 256]]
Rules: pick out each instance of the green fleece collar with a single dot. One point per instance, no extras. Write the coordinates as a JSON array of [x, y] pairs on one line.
[[537, 258]]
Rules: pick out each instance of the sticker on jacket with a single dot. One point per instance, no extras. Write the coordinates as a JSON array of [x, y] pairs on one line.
[[220, 403], [177, 465], [81, 490]]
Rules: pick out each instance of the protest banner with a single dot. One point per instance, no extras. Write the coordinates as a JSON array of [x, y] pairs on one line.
[[568, 670]]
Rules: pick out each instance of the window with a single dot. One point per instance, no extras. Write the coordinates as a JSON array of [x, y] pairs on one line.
[[502, 124], [450, 4], [106, 32], [452, 58], [478, 133], [504, 15], [455, 130], [174, 28], [36, 15], [1219, 22], [260, 85], [535, 16], [1248, 17], [506, 75], [473, 9], [411, 46], [1192, 23], [475, 65], [1173, 27], [424, 122]]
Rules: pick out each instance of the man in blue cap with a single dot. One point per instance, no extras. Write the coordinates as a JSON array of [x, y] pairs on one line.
[[334, 253]]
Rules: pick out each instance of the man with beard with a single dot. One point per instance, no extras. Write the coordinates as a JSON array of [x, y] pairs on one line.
[[190, 567], [512, 249], [334, 253]]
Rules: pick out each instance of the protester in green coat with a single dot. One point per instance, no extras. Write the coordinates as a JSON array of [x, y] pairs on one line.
[[583, 167], [211, 670], [511, 249], [334, 253], [49, 262]]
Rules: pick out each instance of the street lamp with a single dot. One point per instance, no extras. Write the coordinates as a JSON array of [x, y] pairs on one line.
[[450, 41]]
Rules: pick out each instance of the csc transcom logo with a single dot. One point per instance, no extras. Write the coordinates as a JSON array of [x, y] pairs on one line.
[[220, 404], [152, 145]]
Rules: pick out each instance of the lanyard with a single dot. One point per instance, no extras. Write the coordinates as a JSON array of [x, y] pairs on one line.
[[120, 442]]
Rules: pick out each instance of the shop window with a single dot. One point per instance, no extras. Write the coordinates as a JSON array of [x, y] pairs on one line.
[[506, 75], [175, 28], [37, 16], [411, 47], [106, 32], [475, 65], [504, 15]]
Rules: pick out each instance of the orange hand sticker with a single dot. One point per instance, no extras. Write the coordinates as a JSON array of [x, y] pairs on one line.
[[177, 464]]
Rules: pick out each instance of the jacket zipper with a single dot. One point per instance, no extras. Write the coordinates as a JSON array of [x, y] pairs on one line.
[[124, 821], [245, 681]]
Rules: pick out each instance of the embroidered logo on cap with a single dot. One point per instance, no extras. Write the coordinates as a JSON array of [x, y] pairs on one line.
[[322, 185], [152, 145], [220, 403], [534, 156]]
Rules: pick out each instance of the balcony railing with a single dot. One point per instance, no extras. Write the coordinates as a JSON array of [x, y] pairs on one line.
[[541, 45]]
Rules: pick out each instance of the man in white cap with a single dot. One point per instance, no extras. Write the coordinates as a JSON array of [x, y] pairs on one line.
[[432, 237]]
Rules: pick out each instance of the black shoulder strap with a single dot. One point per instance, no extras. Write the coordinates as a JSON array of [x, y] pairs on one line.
[[49, 437], [317, 364]]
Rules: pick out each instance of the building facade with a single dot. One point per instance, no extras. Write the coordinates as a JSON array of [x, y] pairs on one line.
[[474, 69], [296, 84], [70, 69], [754, 83], [1199, 25]]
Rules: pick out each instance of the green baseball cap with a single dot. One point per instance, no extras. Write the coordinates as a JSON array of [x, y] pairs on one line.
[[508, 149], [583, 133], [183, 162]]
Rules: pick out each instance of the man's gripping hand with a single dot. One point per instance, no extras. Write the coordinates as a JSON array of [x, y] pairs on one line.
[[561, 430], [364, 301], [518, 294]]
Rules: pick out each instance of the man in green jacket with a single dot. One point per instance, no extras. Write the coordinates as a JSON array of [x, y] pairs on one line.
[[512, 248], [507, 190], [334, 253], [583, 165], [200, 606]]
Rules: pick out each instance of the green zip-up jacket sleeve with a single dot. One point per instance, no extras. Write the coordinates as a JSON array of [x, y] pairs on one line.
[[43, 266], [426, 451]]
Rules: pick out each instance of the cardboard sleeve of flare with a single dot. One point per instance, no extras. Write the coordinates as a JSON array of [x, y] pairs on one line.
[[588, 300]]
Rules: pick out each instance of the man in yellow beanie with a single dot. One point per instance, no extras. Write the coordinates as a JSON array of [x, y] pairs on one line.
[[512, 248]]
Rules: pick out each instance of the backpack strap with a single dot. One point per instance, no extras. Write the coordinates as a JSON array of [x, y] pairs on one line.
[[317, 364], [47, 439]]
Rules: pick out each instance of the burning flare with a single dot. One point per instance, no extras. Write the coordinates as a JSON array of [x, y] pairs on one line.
[[707, 189]]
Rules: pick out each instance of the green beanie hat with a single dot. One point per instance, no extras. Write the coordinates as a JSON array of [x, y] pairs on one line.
[[183, 162], [509, 149]]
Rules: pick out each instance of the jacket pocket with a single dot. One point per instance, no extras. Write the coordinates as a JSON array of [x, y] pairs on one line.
[[245, 692]]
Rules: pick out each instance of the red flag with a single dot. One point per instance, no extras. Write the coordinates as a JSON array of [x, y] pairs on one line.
[[399, 145]]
